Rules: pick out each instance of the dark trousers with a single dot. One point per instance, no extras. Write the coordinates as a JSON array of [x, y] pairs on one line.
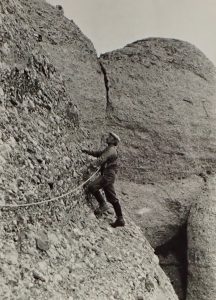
[[106, 183]]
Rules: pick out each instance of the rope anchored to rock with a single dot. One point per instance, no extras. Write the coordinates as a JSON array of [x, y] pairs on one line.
[[52, 199]]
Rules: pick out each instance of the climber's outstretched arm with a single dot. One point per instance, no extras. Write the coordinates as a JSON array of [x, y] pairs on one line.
[[93, 153]]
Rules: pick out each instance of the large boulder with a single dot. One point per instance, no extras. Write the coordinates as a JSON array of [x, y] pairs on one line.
[[51, 86], [161, 96]]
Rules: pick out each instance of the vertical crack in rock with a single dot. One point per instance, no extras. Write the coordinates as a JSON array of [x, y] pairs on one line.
[[109, 107]]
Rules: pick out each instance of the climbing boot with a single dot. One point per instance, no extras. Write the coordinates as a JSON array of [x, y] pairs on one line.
[[101, 209], [120, 222]]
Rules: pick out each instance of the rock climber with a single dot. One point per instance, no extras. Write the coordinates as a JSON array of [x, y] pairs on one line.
[[107, 161]]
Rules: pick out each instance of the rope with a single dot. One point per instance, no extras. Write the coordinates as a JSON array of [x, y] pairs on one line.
[[52, 199]]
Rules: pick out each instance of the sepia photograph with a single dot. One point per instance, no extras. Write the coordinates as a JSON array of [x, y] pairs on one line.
[[107, 150]]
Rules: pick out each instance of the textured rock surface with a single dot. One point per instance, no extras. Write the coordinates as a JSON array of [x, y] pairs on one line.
[[85, 259], [201, 245], [73, 55], [161, 100], [160, 209], [59, 250], [161, 95]]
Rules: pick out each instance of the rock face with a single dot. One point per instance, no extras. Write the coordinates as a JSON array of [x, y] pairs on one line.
[[161, 210], [85, 259], [201, 246], [161, 96], [51, 92], [56, 96], [72, 54]]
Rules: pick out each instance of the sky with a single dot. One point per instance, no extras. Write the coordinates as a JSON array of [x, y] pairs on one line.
[[111, 24]]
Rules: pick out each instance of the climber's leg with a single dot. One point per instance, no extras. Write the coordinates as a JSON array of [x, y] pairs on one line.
[[94, 188], [112, 198]]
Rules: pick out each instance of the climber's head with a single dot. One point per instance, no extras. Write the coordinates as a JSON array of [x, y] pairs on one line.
[[112, 139]]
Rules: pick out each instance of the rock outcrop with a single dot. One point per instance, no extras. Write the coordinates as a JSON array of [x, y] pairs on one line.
[[161, 210], [56, 96], [201, 245], [161, 95], [52, 91]]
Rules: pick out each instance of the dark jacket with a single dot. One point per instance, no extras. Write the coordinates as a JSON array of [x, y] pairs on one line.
[[106, 159]]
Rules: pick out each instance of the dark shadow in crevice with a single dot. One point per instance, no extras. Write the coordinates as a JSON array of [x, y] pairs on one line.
[[173, 260], [106, 82]]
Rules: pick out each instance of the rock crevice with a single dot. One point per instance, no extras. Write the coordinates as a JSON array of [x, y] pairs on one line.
[[106, 83]]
